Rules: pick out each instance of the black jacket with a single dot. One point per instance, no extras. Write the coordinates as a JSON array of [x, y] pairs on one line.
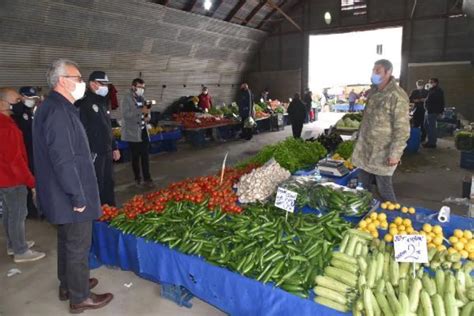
[[419, 108], [95, 116], [297, 111], [434, 103], [65, 174], [23, 117], [245, 103], [308, 101]]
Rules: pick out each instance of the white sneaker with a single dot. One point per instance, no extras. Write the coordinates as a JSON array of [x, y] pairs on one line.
[[30, 244], [29, 255]]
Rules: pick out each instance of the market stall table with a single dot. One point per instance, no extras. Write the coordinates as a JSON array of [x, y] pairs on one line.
[[197, 136]]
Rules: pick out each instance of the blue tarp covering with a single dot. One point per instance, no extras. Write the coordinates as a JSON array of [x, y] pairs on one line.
[[345, 107], [231, 292]]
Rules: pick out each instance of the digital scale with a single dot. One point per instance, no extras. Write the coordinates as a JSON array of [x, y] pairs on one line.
[[330, 167]]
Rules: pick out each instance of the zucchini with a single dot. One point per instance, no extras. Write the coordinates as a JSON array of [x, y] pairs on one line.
[[470, 293], [386, 267], [426, 304], [333, 284], [362, 283], [428, 284], [372, 272], [468, 309], [362, 264], [450, 304], [415, 295], [350, 249], [404, 268], [379, 271], [358, 249], [331, 304], [368, 305], [363, 235], [440, 280], [438, 305], [344, 265], [392, 299], [405, 303], [342, 276], [403, 287], [383, 303], [331, 295], [377, 310], [450, 284], [343, 257], [344, 242], [380, 288], [394, 272]]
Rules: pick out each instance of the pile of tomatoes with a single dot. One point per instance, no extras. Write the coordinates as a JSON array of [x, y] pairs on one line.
[[207, 190], [108, 212], [191, 120]]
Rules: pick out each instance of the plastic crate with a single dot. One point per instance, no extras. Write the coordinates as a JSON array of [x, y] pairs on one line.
[[467, 160], [162, 146], [178, 294]]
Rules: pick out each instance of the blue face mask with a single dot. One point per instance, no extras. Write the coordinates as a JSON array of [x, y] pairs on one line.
[[376, 79]]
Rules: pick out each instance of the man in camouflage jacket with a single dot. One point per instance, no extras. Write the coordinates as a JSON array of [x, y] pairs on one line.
[[383, 133]]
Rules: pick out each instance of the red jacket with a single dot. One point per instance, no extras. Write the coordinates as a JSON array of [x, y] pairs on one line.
[[205, 101], [14, 169]]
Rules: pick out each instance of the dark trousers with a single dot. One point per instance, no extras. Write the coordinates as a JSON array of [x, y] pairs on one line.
[[74, 242], [14, 215], [430, 128], [297, 127], [384, 185], [105, 178], [140, 155], [351, 106]]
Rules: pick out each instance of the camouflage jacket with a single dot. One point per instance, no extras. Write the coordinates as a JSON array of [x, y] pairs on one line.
[[384, 130]]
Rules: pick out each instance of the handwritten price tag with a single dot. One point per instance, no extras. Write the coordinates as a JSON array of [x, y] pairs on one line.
[[285, 199], [410, 248]]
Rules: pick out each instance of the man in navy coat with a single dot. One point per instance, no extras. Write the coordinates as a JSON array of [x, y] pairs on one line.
[[67, 189]]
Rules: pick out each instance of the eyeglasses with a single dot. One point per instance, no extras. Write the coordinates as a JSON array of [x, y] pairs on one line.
[[79, 78]]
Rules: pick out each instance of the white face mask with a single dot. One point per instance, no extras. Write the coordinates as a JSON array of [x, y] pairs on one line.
[[79, 90], [102, 91], [29, 103], [140, 92], [428, 86]]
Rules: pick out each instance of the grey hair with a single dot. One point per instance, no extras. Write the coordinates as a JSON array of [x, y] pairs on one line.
[[58, 69], [385, 63]]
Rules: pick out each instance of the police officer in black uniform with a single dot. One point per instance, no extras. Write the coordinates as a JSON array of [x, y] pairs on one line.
[[95, 117], [23, 113]]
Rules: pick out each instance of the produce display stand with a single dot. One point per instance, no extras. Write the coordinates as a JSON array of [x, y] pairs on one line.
[[231, 292], [197, 136], [345, 107], [162, 142]]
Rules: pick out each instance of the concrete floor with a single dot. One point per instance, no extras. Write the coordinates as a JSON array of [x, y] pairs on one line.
[[424, 179]]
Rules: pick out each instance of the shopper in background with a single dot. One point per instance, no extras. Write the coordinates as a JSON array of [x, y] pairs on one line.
[[417, 98], [67, 186], [245, 103], [15, 177], [95, 116], [23, 114], [383, 133], [136, 115], [434, 106], [308, 101], [205, 100], [352, 100], [297, 114], [191, 105]]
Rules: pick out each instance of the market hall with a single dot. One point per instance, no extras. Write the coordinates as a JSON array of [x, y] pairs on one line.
[[261, 157]]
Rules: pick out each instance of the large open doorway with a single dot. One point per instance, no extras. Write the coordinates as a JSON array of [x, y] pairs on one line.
[[340, 63]]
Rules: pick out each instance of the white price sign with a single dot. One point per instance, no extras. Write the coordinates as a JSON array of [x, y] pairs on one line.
[[285, 199], [410, 248]]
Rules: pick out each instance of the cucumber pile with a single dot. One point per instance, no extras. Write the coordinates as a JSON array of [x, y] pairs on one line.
[[259, 243], [344, 201], [367, 280]]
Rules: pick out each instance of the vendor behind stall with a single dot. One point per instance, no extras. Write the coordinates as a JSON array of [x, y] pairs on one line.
[[191, 105], [205, 100]]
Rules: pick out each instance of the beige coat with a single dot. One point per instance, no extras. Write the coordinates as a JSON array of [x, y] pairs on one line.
[[384, 130]]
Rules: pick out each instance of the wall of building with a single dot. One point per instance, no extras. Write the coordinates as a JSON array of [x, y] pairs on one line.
[[127, 39], [430, 36]]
